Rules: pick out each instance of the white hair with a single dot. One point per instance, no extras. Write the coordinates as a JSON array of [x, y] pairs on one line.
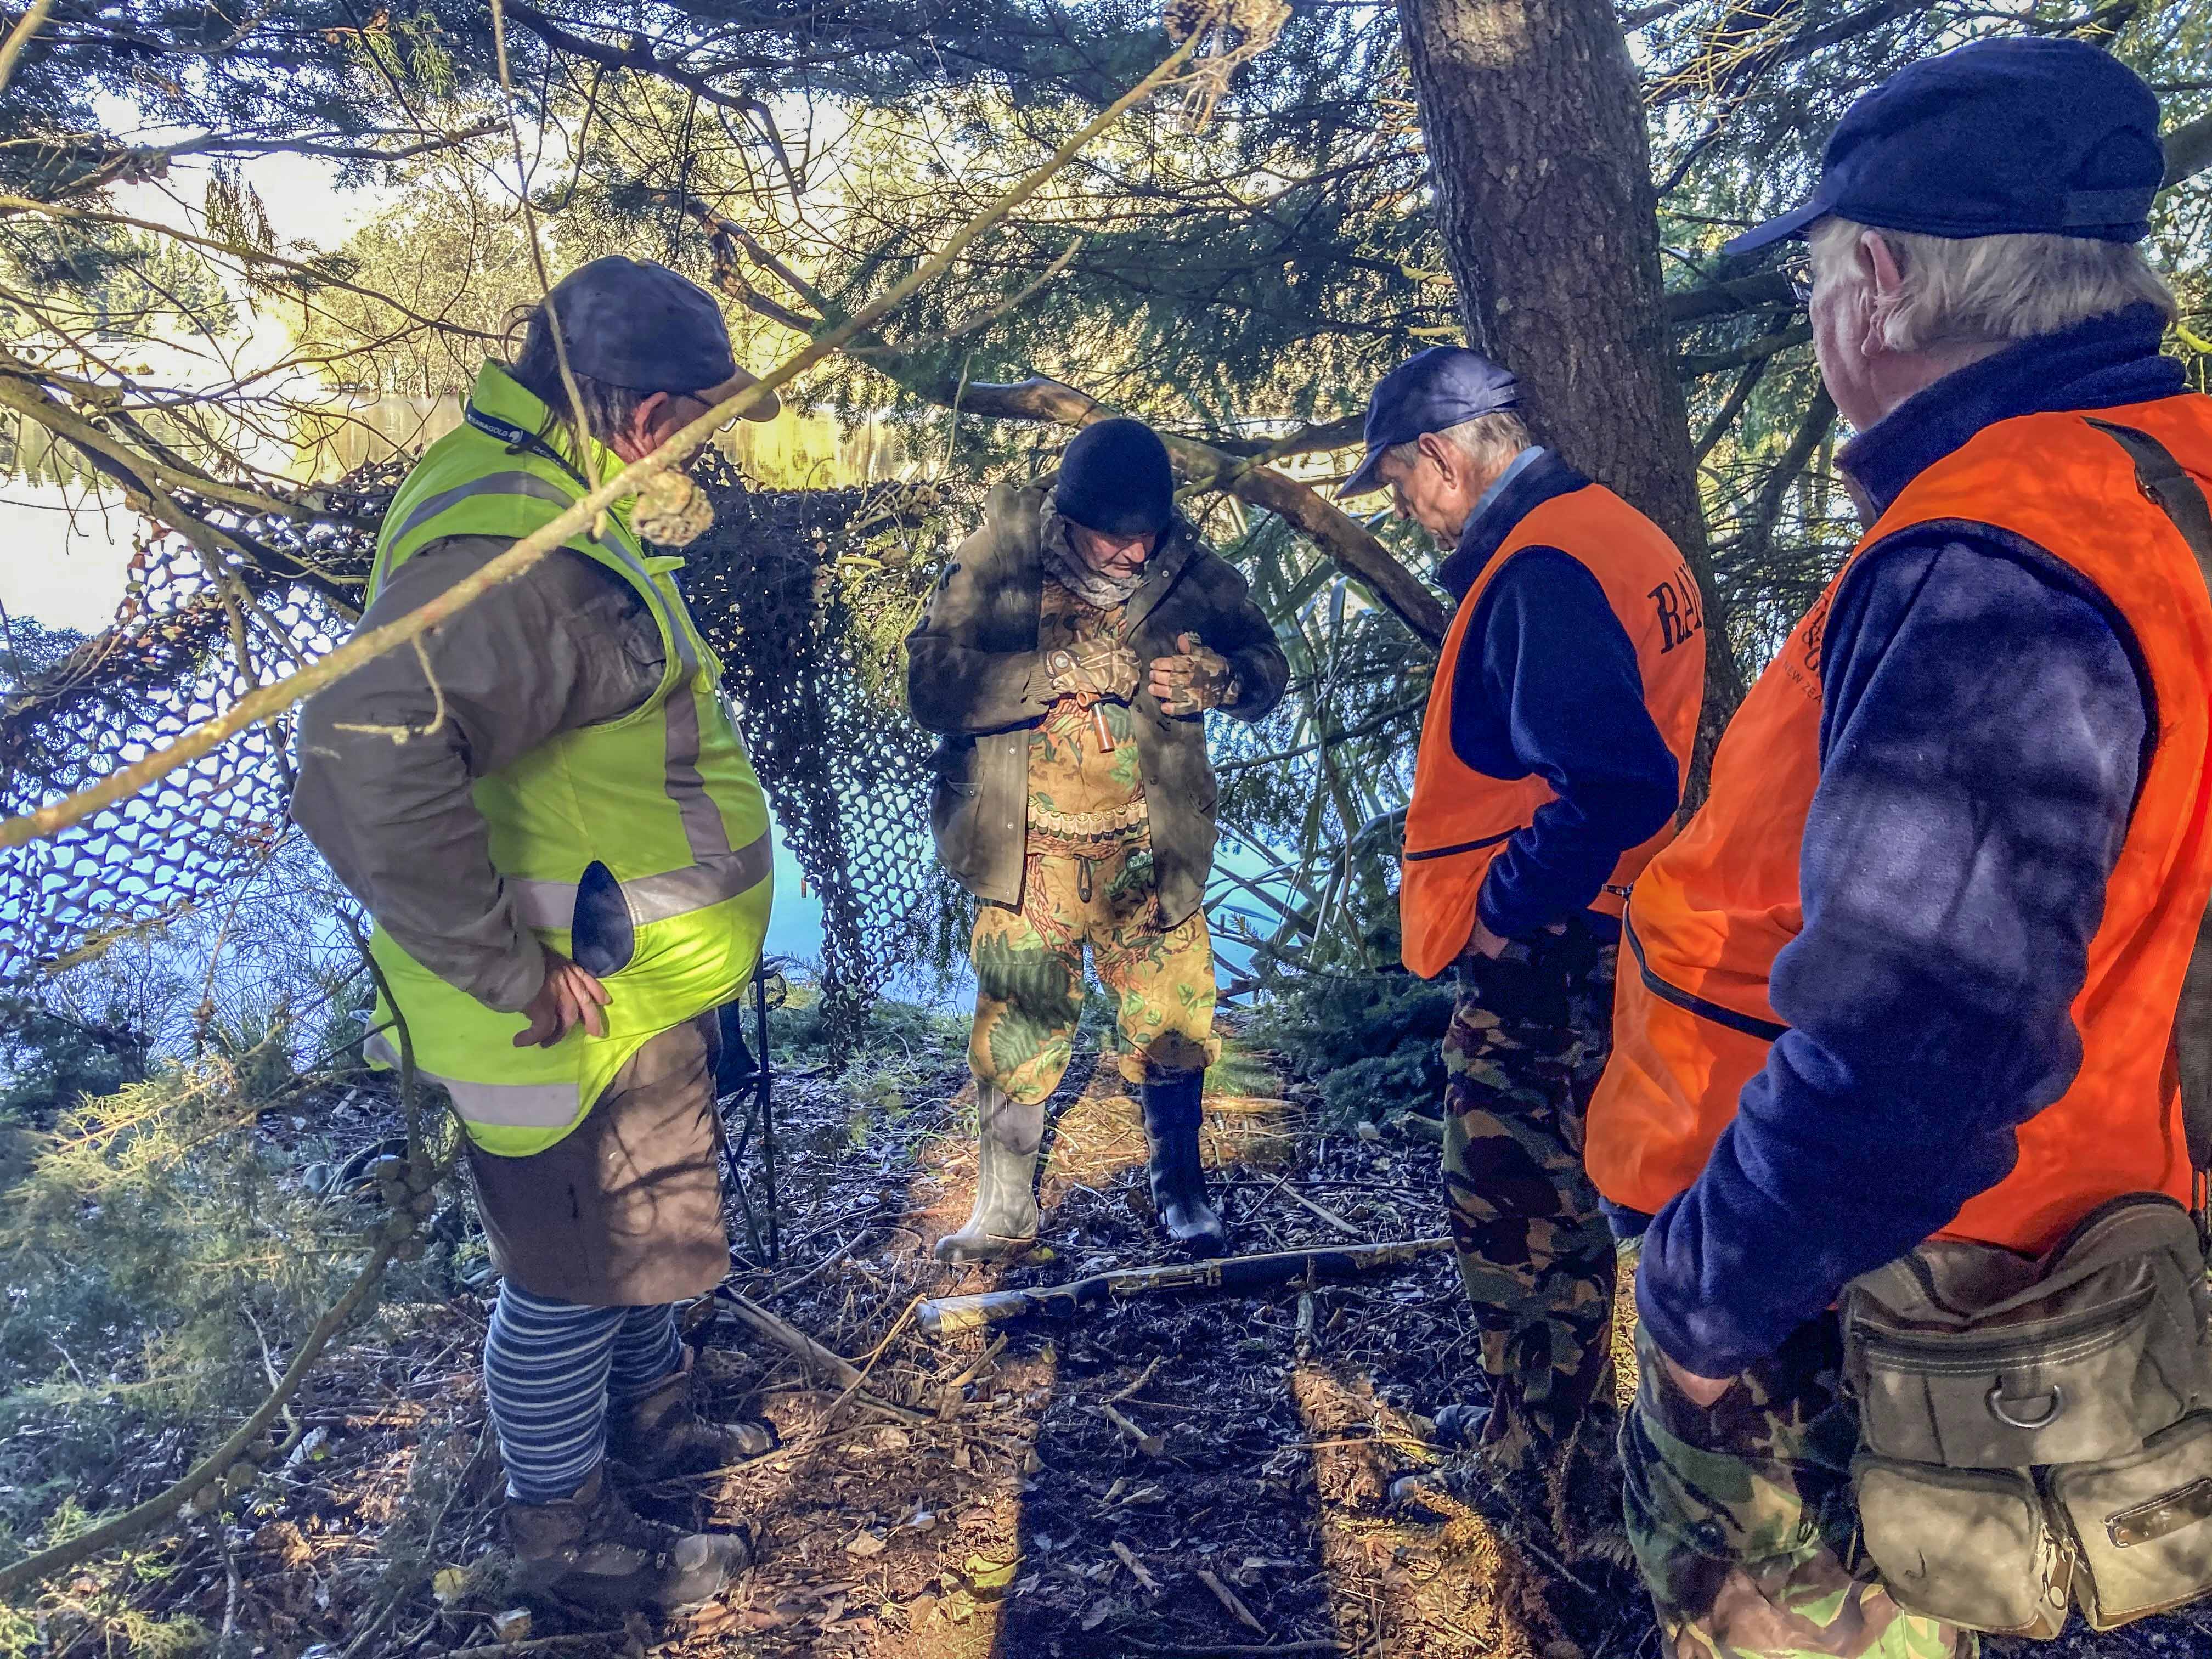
[[1990, 288], [1488, 441]]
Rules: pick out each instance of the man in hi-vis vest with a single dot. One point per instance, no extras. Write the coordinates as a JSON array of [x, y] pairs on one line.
[[550, 816], [1912, 971], [1558, 729]]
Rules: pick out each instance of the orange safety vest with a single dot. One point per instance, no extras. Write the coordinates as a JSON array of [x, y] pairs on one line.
[[1691, 1021], [1459, 819]]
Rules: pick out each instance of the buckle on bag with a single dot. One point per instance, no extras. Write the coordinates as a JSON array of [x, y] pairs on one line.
[[1996, 1401]]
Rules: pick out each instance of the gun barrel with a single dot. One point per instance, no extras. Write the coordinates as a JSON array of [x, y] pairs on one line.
[[942, 1315]]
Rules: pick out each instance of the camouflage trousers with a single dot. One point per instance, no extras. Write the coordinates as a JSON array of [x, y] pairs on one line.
[[1742, 1517], [1029, 972], [1527, 1043]]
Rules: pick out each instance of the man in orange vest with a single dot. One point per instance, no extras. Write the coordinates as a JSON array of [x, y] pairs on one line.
[[1559, 724], [1912, 971]]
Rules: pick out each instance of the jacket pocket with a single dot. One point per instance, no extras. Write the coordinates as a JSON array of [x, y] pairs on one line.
[[954, 800], [1765, 1030]]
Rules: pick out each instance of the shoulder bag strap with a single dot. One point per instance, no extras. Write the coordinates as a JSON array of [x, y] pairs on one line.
[[2166, 482]]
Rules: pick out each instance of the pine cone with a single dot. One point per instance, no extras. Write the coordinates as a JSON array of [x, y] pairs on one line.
[[672, 510]]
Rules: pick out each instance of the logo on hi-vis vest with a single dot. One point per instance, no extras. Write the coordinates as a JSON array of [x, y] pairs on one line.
[[1800, 657], [1682, 614]]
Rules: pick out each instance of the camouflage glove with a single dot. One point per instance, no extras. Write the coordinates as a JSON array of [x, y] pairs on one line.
[[1198, 679], [1094, 668]]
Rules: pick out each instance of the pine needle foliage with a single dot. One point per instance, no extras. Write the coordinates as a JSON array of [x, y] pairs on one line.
[[160, 1256]]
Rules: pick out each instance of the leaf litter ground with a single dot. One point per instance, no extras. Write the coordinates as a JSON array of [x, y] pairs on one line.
[[1190, 1474]]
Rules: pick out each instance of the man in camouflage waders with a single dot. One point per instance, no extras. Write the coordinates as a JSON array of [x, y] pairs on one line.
[[1067, 659]]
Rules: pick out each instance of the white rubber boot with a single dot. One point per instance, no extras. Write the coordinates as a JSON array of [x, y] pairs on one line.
[[1005, 1221]]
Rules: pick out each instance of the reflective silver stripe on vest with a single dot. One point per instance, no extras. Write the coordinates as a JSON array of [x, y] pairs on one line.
[[507, 1105], [702, 819], [537, 489], [653, 898], [718, 873]]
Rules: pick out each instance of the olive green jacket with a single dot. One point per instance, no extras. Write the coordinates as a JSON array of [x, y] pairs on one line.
[[975, 676]]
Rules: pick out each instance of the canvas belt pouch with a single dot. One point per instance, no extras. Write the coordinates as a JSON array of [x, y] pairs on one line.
[[2037, 1430]]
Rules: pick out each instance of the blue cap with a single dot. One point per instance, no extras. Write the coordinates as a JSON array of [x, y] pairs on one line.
[[639, 325], [1995, 137], [1430, 392]]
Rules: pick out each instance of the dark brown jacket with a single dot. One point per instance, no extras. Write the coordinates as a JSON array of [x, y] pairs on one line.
[[975, 676]]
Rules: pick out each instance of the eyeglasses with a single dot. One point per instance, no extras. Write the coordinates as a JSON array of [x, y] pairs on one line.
[[1796, 267]]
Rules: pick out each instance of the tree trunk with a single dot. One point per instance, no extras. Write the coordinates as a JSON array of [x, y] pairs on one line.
[[1543, 169]]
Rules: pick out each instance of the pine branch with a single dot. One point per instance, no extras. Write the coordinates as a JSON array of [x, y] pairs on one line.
[[164, 1504], [1349, 543], [274, 698], [1767, 345]]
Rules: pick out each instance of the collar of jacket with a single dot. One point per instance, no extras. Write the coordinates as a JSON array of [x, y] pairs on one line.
[[500, 396], [2103, 363], [1177, 544], [1489, 526]]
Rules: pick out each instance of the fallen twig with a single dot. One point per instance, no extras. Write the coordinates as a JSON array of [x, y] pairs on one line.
[[1329, 1215], [1128, 1560], [1225, 1650], [1151, 1444], [821, 1359], [1227, 1599], [949, 1399], [816, 1270], [944, 1314], [1135, 1388]]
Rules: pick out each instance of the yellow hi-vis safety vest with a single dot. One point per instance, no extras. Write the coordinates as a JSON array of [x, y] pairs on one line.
[[664, 800]]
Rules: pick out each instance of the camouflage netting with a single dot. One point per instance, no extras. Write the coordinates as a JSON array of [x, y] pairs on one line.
[[805, 592]]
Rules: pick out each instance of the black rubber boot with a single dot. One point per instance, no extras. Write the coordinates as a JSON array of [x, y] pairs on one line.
[[1171, 1119]]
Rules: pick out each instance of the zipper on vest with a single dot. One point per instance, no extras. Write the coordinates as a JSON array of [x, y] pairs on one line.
[[1463, 847], [1765, 1030]]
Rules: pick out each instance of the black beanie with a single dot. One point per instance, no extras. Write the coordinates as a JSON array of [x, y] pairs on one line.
[[1115, 478]]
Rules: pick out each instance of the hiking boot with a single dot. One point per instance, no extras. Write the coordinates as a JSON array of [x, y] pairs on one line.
[[595, 1551], [1171, 1120], [662, 1433], [1005, 1219]]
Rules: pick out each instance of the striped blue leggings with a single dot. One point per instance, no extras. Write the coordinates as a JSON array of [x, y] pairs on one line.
[[550, 1368]]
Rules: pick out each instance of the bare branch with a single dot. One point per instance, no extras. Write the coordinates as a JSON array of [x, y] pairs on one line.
[[1739, 395], [1762, 292], [635, 54], [2188, 150], [20, 37]]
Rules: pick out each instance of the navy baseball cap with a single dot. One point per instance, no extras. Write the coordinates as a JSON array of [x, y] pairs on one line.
[[1994, 137], [639, 325], [1430, 392]]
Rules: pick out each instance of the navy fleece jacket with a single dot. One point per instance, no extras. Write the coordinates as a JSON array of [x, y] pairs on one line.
[[1983, 727], [1545, 682]]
